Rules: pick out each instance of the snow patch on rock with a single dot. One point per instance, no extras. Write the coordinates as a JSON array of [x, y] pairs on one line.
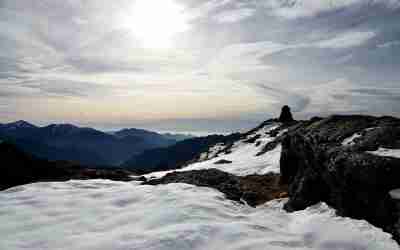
[[242, 154], [349, 141], [386, 152], [395, 194]]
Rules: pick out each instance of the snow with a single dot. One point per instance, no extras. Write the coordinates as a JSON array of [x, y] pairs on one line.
[[395, 194], [107, 215], [349, 141], [212, 152], [386, 152], [243, 156]]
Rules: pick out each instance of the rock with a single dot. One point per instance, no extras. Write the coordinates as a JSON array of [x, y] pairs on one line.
[[139, 178], [223, 161], [286, 115], [395, 195], [110, 174], [254, 189], [317, 167], [252, 139]]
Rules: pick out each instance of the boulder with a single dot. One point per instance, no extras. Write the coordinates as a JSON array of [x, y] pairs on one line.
[[286, 115], [253, 189]]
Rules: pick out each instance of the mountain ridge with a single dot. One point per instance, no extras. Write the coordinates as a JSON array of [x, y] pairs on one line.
[[82, 144]]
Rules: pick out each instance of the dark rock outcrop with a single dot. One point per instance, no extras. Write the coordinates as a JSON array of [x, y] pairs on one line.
[[318, 166], [286, 115], [223, 161], [254, 189]]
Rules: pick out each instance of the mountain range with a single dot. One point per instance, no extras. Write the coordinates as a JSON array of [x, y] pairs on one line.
[[346, 162], [83, 145]]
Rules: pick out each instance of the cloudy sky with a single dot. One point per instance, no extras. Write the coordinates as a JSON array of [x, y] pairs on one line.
[[196, 65]]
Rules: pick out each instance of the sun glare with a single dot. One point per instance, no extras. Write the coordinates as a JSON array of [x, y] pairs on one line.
[[155, 22]]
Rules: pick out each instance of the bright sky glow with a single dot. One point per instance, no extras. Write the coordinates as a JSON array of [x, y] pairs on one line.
[[155, 23]]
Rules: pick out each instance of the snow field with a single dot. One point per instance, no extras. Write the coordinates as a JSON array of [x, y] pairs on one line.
[[105, 215]]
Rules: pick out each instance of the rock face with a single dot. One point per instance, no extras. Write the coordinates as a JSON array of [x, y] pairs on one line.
[[286, 115], [254, 189], [330, 160]]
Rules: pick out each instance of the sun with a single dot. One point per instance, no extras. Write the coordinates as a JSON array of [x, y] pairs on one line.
[[155, 22]]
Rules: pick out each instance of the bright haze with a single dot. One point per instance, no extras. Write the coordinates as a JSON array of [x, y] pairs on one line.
[[196, 65]]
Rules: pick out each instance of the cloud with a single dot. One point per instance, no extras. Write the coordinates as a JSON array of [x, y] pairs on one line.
[[331, 98], [17, 91], [388, 94], [307, 8], [209, 6], [295, 100], [240, 60], [342, 96], [346, 40], [232, 16], [67, 88], [292, 9], [389, 44], [244, 57], [45, 88]]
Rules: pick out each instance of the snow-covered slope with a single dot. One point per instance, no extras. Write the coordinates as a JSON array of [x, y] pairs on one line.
[[106, 215], [386, 152], [241, 157]]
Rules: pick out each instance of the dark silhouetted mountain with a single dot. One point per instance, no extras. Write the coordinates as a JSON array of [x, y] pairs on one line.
[[177, 155], [152, 135], [84, 145], [156, 139], [178, 137], [18, 168], [18, 129], [19, 124]]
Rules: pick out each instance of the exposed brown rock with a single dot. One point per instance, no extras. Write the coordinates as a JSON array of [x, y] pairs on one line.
[[253, 189]]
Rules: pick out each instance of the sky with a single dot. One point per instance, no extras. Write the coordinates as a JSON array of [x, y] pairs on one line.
[[196, 65]]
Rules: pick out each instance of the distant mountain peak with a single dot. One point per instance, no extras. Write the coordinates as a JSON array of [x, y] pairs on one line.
[[62, 128], [19, 124], [134, 132]]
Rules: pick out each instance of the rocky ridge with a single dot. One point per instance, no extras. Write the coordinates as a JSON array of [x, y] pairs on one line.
[[337, 160], [332, 160]]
